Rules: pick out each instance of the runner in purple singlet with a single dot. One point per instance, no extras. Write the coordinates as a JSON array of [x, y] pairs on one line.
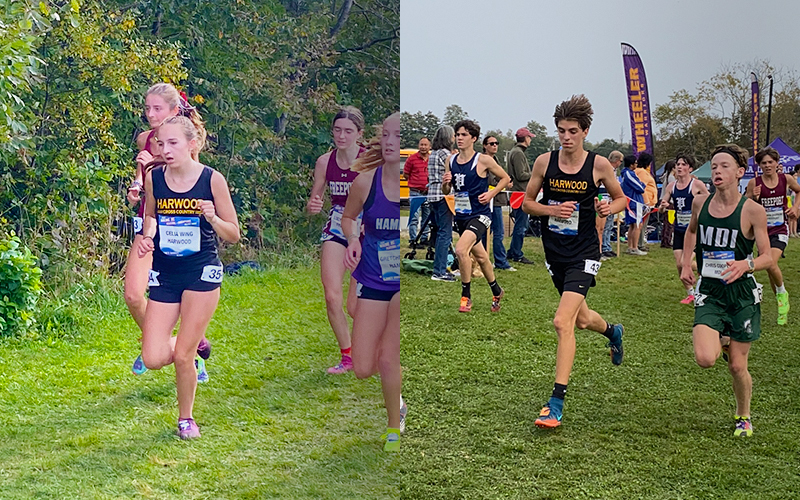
[[376, 265]]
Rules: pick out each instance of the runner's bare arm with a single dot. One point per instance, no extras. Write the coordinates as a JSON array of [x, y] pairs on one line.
[[503, 179], [750, 191], [689, 241], [447, 177], [314, 205], [699, 189], [149, 226], [530, 205], [792, 184], [609, 179], [359, 191], [665, 196], [757, 217], [222, 214]]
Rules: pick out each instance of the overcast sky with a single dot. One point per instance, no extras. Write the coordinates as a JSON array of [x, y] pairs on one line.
[[510, 61]]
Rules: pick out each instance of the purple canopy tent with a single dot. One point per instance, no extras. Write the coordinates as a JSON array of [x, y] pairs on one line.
[[789, 158]]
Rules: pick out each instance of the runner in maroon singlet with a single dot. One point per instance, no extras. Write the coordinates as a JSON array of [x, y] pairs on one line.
[[333, 170], [770, 189]]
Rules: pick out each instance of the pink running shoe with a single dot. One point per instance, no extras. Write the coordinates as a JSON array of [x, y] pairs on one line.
[[688, 300], [344, 366], [188, 429]]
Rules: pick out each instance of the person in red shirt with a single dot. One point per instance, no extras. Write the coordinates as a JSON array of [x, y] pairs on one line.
[[416, 172]]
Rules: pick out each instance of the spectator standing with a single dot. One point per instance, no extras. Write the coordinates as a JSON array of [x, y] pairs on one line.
[[605, 225], [520, 172], [442, 145], [415, 172], [650, 194], [667, 228], [490, 145], [633, 189]]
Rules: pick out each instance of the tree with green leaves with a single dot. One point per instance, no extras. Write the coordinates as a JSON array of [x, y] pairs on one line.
[[417, 125], [453, 113]]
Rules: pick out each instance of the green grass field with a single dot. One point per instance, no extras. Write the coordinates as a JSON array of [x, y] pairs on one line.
[[76, 423], [656, 427]]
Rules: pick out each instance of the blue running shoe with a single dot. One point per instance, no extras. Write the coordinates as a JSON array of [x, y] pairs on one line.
[[549, 417], [616, 344], [138, 366], [202, 374]]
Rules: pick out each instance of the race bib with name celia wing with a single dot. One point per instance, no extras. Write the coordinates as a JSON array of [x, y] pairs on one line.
[[179, 236]]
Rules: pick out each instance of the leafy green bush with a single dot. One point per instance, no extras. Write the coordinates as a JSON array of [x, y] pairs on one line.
[[20, 287]]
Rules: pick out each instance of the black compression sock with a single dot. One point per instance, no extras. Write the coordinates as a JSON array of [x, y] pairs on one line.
[[559, 391], [496, 290], [465, 290], [609, 331]]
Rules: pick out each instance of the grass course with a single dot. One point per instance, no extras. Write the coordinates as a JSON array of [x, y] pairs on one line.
[[657, 427], [75, 423]]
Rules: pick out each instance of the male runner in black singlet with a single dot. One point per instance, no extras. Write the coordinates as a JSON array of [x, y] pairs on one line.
[[570, 179], [466, 175]]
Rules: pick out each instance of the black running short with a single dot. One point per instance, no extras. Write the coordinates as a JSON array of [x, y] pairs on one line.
[[365, 292], [575, 277], [169, 287], [778, 241], [677, 239], [478, 225]]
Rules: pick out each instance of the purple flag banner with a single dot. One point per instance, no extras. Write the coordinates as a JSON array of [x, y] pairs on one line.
[[756, 110], [755, 105], [638, 102]]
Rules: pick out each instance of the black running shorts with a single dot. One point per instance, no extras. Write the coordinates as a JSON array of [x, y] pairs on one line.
[[778, 241], [169, 287], [575, 277], [677, 240], [478, 225]]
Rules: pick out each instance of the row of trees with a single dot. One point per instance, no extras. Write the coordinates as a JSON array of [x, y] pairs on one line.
[[266, 76], [718, 111], [417, 125]]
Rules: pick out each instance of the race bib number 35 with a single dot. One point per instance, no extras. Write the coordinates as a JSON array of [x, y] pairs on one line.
[[212, 274], [179, 236], [714, 263]]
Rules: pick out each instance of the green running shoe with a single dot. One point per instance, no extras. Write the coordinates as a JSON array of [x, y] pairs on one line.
[[392, 438], [783, 307], [744, 428], [202, 373]]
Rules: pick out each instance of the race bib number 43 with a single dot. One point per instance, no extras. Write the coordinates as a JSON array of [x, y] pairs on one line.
[[179, 236], [714, 263]]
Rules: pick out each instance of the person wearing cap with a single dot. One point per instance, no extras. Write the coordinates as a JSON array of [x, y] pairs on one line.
[[520, 171]]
